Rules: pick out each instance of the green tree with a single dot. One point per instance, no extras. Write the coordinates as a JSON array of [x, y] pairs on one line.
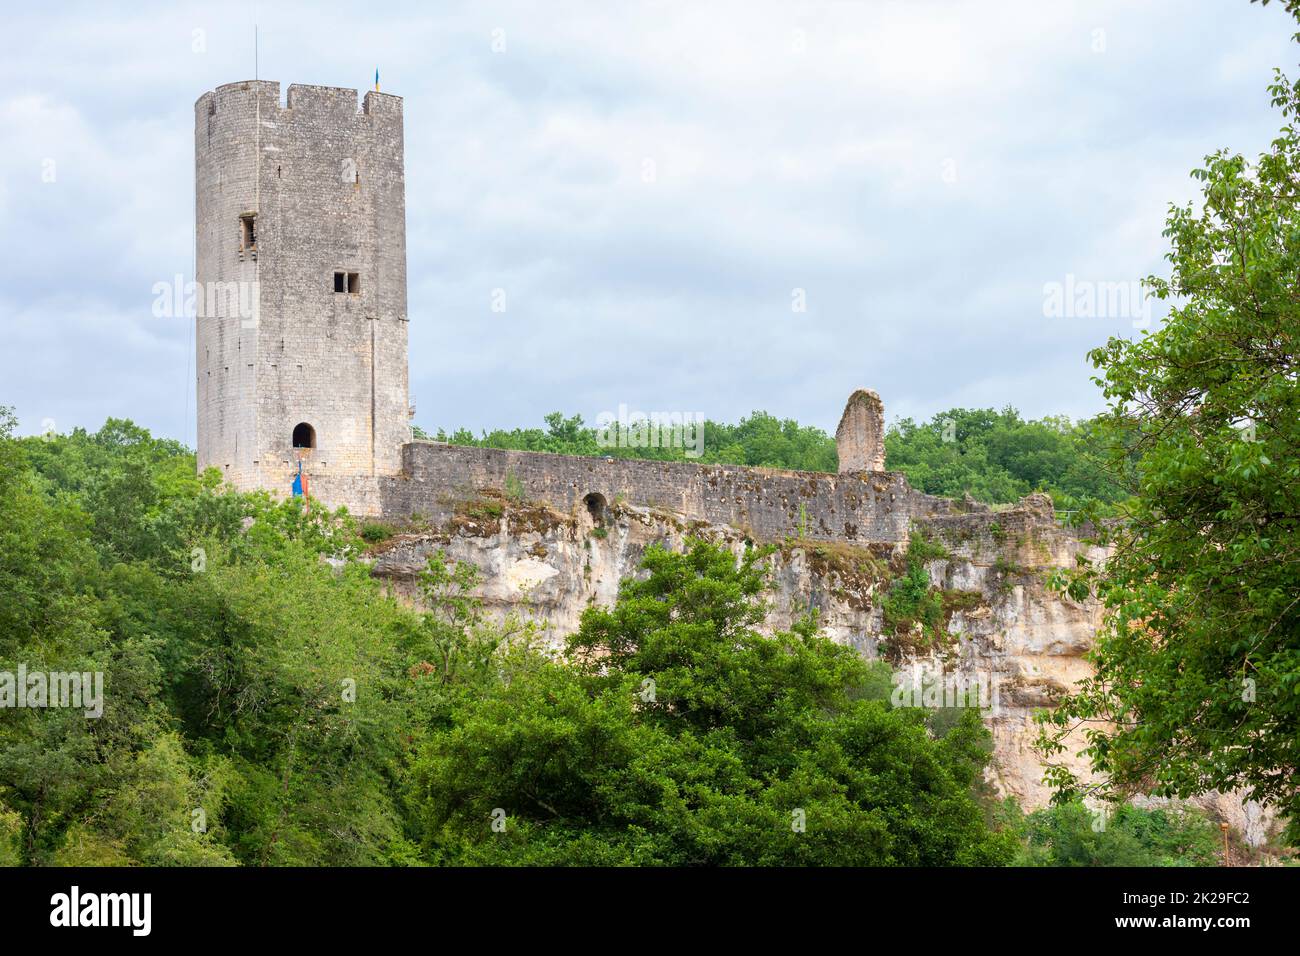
[[760, 440], [1070, 834], [1197, 670], [675, 733], [255, 697], [65, 775], [998, 457]]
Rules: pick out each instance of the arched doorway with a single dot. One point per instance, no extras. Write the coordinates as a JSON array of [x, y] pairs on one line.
[[304, 436]]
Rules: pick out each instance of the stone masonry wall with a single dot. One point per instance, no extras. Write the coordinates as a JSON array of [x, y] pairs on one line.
[[326, 183], [766, 504], [860, 437]]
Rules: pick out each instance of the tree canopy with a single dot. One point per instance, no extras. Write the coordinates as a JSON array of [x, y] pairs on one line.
[[267, 703], [675, 733], [1197, 682], [263, 705]]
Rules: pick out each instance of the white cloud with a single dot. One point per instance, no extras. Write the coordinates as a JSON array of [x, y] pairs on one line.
[[920, 169]]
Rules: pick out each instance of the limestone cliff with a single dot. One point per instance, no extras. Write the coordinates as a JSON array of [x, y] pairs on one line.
[[1006, 630]]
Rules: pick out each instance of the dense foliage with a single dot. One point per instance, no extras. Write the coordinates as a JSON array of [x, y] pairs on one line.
[[1197, 682], [263, 705], [999, 457], [226, 735], [761, 440], [266, 706], [1071, 834], [992, 456], [677, 734]]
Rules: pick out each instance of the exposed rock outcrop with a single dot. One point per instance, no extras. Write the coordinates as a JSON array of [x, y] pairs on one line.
[[1007, 631]]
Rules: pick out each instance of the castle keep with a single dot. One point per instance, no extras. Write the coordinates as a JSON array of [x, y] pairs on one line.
[[301, 206], [303, 203]]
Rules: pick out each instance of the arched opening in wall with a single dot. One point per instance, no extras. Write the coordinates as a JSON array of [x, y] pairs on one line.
[[304, 436], [596, 505]]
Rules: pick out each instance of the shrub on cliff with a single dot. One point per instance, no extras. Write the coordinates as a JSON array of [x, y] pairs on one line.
[[1074, 835], [677, 734]]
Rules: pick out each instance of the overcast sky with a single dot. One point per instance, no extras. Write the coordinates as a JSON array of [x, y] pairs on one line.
[[650, 184]]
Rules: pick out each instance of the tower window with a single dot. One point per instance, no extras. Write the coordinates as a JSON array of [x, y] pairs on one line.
[[248, 232], [304, 436], [347, 282]]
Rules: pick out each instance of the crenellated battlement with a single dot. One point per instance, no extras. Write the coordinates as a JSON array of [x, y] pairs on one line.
[[303, 99]]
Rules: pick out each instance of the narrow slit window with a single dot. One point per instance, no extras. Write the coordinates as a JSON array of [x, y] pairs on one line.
[[340, 282], [248, 232], [354, 282], [349, 282]]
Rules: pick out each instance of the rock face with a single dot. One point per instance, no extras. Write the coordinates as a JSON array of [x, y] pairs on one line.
[[860, 437], [1008, 633]]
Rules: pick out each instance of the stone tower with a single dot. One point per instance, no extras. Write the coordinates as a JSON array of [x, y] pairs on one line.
[[860, 438], [301, 284]]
